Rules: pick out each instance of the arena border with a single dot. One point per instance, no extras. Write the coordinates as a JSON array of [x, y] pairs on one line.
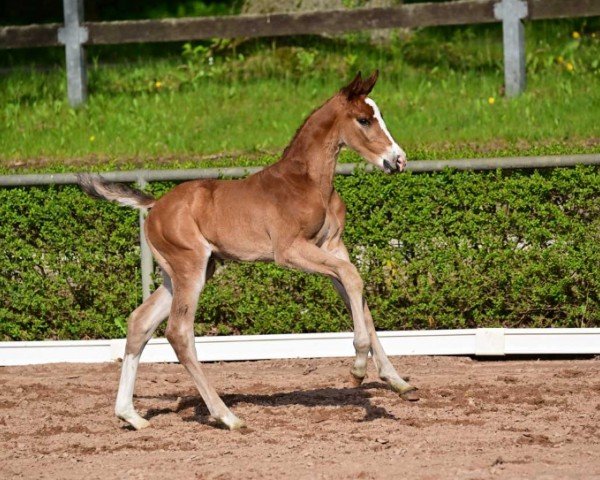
[[473, 342]]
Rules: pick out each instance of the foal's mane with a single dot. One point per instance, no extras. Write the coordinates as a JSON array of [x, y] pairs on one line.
[[286, 150]]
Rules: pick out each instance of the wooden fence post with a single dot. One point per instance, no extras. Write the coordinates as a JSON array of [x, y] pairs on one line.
[[73, 36], [511, 12]]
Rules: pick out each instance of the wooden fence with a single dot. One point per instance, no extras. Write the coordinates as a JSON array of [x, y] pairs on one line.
[[75, 33]]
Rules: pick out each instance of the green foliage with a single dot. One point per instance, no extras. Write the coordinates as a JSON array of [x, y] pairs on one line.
[[26, 13], [68, 265], [213, 97], [446, 250], [479, 249], [192, 8], [571, 54]]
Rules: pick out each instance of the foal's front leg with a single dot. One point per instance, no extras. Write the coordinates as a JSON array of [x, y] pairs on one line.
[[306, 256], [385, 369]]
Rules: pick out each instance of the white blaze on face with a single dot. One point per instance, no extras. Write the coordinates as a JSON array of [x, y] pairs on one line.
[[395, 152]]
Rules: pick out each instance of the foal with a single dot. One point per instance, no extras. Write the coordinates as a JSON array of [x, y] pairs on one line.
[[288, 213]]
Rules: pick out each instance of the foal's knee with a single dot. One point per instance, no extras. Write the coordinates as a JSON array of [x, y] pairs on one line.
[[362, 343], [137, 334]]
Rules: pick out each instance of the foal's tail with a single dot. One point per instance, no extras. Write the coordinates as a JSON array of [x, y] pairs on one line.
[[97, 187]]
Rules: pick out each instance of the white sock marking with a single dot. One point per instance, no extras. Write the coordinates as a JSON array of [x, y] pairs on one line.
[[124, 403]]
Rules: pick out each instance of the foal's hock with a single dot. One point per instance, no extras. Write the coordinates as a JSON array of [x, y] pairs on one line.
[[288, 213]]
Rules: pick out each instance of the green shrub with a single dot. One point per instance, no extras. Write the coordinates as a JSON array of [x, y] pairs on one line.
[[445, 250]]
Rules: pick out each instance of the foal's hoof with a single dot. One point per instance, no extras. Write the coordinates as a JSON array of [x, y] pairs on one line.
[[133, 419], [406, 391], [410, 394], [237, 425], [231, 422], [356, 378], [141, 423]]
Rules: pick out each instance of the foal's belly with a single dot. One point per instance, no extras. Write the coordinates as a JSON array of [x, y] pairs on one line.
[[239, 237], [242, 250]]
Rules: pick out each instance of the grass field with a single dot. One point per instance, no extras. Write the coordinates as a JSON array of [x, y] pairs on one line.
[[440, 91]]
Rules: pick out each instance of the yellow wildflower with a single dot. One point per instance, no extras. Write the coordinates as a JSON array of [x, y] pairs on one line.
[[569, 66], [491, 100], [92, 138], [158, 84], [576, 35], [560, 59]]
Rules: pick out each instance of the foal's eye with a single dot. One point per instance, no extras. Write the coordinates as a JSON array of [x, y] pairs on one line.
[[365, 122]]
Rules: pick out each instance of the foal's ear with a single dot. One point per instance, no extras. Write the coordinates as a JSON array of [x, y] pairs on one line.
[[354, 88], [370, 82], [358, 86]]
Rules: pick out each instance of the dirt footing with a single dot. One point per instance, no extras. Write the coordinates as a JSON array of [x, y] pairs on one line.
[[475, 420]]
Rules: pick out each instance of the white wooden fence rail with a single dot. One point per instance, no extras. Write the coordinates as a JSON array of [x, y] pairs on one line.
[[477, 342]]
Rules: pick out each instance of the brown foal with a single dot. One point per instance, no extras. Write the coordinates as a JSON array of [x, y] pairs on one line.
[[288, 213]]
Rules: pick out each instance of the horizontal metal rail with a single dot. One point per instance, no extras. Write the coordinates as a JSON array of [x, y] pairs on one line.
[[417, 166]]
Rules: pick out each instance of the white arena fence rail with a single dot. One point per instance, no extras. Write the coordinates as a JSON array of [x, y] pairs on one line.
[[478, 342]]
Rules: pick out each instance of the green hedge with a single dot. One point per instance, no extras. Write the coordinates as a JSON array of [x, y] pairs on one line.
[[444, 250]]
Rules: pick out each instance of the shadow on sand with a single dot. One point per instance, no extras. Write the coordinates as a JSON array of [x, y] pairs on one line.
[[319, 397]]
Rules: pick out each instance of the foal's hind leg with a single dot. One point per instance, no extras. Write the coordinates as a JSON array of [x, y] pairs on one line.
[[141, 325], [385, 369], [189, 277]]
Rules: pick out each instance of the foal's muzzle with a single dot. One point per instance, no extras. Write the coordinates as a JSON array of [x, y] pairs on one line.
[[398, 164]]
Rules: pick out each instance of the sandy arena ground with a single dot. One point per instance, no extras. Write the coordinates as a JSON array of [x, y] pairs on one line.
[[476, 420]]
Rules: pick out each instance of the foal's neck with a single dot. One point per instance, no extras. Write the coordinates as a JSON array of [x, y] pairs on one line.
[[314, 149]]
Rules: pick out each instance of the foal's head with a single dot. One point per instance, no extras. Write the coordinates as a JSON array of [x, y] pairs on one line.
[[362, 127]]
